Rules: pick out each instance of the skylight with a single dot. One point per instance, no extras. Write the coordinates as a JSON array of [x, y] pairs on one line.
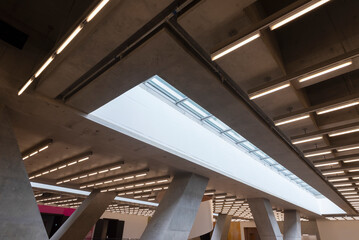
[[181, 101]]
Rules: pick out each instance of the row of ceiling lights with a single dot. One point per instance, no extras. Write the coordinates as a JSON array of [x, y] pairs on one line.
[[64, 44]]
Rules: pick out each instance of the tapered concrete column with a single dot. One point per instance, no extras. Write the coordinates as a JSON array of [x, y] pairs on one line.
[[177, 211], [292, 227], [85, 217], [221, 229], [263, 215], [19, 215]]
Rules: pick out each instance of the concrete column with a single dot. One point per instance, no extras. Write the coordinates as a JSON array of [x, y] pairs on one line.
[[19, 215], [177, 211], [263, 215], [221, 228], [292, 227], [85, 217]]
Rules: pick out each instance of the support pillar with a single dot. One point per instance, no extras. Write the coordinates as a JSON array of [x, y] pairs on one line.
[[263, 215], [19, 215], [85, 217], [221, 229], [177, 211], [292, 226]]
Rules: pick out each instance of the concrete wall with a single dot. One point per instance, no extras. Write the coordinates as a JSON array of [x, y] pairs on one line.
[[134, 224]]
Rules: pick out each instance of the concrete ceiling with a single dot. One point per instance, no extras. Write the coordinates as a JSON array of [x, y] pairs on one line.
[[122, 47]]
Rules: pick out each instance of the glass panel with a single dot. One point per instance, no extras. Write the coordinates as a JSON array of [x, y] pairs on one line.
[[279, 167], [249, 146], [260, 154], [216, 123], [166, 89], [194, 108], [270, 161], [234, 136]]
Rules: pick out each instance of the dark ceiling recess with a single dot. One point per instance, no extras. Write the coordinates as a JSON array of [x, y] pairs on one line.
[[12, 35]]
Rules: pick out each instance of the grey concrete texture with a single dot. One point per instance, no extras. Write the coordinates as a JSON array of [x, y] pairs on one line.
[[264, 218], [221, 229], [177, 211], [85, 217], [292, 226], [19, 216]]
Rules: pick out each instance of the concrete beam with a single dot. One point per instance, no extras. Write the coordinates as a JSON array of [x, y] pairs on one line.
[[19, 216], [177, 211], [85, 217], [264, 218], [292, 226], [221, 229]]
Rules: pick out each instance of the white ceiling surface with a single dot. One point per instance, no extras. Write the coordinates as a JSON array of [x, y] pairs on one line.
[[160, 55], [140, 114]]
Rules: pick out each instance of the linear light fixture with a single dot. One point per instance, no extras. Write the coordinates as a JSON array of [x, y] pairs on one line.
[[291, 120], [297, 13], [346, 189], [347, 149], [332, 173], [326, 164], [317, 154], [354, 170], [269, 91], [343, 185], [117, 178], [235, 45], [307, 140], [327, 70], [338, 180], [351, 160], [64, 44], [327, 110], [137, 185], [344, 132], [89, 173], [37, 149], [60, 165]]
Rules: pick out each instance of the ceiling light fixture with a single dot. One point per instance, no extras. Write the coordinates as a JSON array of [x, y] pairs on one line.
[[347, 149], [307, 140], [297, 13], [269, 91], [328, 70], [235, 45], [291, 120], [338, 180], [327, 110], [344, 132], [317, 154], [326, 164], [332, 173], [37, 149], [63, 45]]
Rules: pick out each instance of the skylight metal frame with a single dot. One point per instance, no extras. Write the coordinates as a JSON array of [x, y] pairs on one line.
[[218, 127]]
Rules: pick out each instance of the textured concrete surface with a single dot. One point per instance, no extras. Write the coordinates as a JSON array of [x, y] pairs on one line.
[[266, 223], [85, 217], [292, 226], [222, 227], [177, 211], [19, 216]]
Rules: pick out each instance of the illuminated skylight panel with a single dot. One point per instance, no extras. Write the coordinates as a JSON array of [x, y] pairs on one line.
[[183, 102]]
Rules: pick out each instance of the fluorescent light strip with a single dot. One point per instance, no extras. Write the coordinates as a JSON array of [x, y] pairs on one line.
[[342, 185], [270, 91], [347, 149], [292, 120], [346, 189], [326, 164], [96, 10], [341, 65], [337, 108], [115, 179], [344, 132], [292, 16], [64, 44], [354, 170], [307, 140], [338, 180], [235, 45], [332, 173], [86, 193], [351, 160], [40, 149], [317, 154]]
